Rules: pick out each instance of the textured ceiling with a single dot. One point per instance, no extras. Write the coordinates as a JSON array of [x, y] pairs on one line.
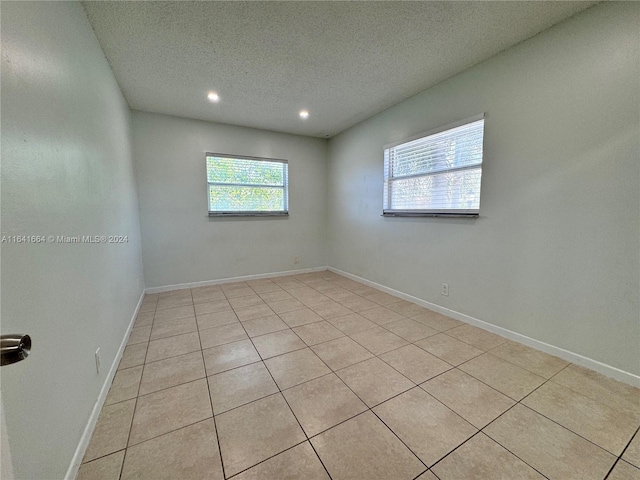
[[343, 61]]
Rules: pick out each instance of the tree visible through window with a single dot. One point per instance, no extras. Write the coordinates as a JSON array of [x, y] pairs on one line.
[[247, 186], [437, 173]]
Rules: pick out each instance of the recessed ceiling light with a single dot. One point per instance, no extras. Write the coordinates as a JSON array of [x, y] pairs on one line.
[[304, 114], [213, 97]]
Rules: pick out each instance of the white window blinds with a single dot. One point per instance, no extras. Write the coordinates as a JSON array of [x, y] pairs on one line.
[[438, 173], [247, 186]]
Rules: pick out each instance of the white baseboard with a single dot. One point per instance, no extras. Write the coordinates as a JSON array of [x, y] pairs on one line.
[[567, 355], [182, 286], [72, 471]]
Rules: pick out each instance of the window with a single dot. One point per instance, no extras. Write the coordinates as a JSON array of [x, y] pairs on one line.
[[247, 186], [437, 173]]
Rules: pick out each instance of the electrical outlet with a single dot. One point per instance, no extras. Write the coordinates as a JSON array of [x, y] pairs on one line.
[[296, 259], [98, 360], [445, 289]]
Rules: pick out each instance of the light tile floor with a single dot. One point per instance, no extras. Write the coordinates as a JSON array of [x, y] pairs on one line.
[[316, 376]]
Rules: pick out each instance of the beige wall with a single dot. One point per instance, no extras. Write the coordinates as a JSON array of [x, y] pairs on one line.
[[181, 244], [554, 254], [66, 170]]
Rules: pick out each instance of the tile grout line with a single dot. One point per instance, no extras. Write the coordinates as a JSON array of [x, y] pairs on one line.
[[365, 404], [308, 439], [124, 459], [412, 343], [165, 388], [268, 458], [135, 406], [478, 430], [287, 403], [582, 393], [516, 401], [568, 429], [378, 356], [395, 434], [268, 395], [104, 456], [428, 470], [621, 454], [213, 416], [486, 384], [165, 433], [370, 409], [331, 371], [136, 402], [505, 447], [624, 450], [423, 381], [454, 367]]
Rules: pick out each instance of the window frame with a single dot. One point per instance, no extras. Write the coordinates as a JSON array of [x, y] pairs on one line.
[[248, 213], [388, 212]]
